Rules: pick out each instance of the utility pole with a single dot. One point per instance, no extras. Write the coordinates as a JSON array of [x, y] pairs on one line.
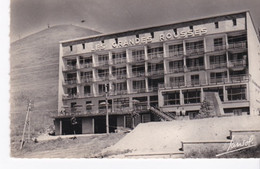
[[27, 123], [107, 117]]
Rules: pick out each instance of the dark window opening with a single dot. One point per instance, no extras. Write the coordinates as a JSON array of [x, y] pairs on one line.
[[71, 48], [83, 45], [152, 34], [216, 25], [191, 27], [234, 22], [191, 96], [116, 40], [137, 36], [172, 98], [175, 30]]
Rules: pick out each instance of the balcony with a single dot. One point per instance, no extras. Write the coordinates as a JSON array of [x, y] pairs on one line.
[[196, 51], [175, 54], [238, 78], [70, 96], [137, 58], [196, 68], [119, 60], [237, 63], [118, 76], [85, 79], [88, 95], [152, 89], [102, 63], [139, 90], [102, 78], [86, 65], [176, 70], [70, 67], [218, 80], [172, 85], [138, 74], [218, 65], [236, 45], [155, 55], [216, 48], [71, 81], [155, 72], [118, 92]]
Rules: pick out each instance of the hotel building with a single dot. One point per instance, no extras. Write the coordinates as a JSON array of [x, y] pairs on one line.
[[160, 72]]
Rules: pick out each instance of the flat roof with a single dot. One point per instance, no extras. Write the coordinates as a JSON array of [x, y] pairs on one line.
[[153, 28]]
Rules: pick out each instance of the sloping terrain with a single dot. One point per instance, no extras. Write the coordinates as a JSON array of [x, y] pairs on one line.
[[162, 137], [34, 74]]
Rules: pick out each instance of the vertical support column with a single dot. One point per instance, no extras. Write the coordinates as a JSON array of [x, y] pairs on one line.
[[128, 55], [165, 51], [61, 79], [160, 99], [60, 127], [201, 94], [226, 41], [124, 121], [146, 84], [224, 94], [227, 60], [94, 60], [93, 125], [181, 98], [184, 56], [145, 53]]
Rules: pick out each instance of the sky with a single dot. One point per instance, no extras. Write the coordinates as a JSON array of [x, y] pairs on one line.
[[106, 16]]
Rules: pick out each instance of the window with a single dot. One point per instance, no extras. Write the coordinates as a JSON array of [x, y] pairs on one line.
[[234, 22], [119, 72], [121, 87], [102, 106], [216, 25], [87, 90], [218, 77], [155, 52], [172, 98], [88, 106], [191, 96], [102, 89], [121, 103], [195, 62], [152, 34], [71, 48], [72, 91], [175, 50], [175, 31], [116, 40], [177, 81], [83, 45], [218, 61], [236, 92], [195, 79], [140, 84], [195, 47], [218, 42], [138, 55], [137, 36]]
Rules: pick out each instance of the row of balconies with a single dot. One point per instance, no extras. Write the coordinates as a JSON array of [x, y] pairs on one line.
[[105, 77], [212, 81], [158, 55], [178, 84]]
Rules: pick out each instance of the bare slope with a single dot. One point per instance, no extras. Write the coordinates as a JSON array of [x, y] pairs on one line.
[[34, 70], [167, 136]]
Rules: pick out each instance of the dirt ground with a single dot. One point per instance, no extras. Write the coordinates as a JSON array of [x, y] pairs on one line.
[[81, 147]]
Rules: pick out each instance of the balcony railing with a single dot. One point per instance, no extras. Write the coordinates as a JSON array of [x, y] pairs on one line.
[[235, 45], [102, 63], [171, 85], [238, 78], [175, 54], [152, 88], [194, 51], [119, 60], [85, 79], [70, 81], [136, 58], [88, 95], [176, 70], [155, 72], [196, 68], [70, 96], [237, 63], [139, 90], [218, 65], [70, 67], [218, 80], [118, 92], [86, 65], [100, 78], [138, 74], [216, 48], [119, 76], [155, 55]]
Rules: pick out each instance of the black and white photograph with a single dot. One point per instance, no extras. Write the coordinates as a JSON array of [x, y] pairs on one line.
[[134, 79]]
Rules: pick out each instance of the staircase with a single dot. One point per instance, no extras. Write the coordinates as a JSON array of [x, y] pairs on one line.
[[161, 114], [215, 103]]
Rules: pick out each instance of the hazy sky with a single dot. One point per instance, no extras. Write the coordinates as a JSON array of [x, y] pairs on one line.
[[29, 16]]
